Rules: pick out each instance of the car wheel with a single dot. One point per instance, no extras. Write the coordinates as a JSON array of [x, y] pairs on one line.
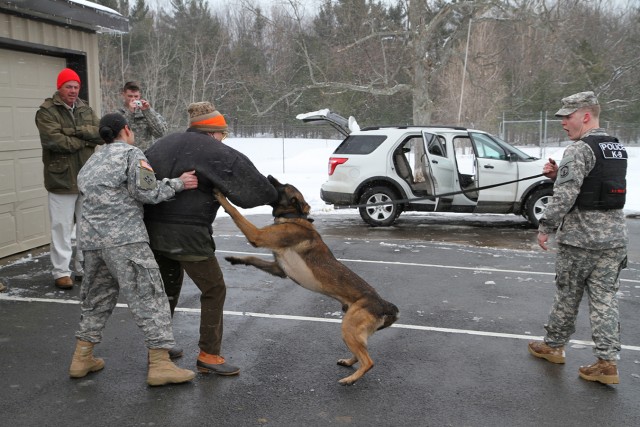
[[382, 215], [537, 203]]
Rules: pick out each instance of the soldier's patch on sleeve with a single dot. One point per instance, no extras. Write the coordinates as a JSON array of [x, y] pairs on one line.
[[145, 165], [146, 176], [565, 170]]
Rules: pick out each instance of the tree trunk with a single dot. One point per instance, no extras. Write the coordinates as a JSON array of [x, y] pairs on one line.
[[421, 64]]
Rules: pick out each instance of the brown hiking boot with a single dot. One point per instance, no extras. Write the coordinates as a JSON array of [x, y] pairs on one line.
[[64, 282], [603, 371], [162, 370], [541, 350], [83, 361]]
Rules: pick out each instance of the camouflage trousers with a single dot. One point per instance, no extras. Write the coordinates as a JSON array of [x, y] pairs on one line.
[[133, 270], [596, 272]]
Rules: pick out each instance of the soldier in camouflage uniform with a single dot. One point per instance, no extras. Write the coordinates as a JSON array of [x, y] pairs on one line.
[[114, 183], [586, 213], [145, 122]]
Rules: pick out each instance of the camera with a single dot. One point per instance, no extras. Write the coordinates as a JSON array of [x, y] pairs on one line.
[[137, 103]]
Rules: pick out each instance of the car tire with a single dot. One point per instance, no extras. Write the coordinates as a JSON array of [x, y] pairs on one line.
[[536, 204], [379, 216]]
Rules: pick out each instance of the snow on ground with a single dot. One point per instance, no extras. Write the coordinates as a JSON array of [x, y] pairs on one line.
[[303, 163]]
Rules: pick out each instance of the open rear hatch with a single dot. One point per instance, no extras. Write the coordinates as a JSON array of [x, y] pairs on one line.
[[342, 125]]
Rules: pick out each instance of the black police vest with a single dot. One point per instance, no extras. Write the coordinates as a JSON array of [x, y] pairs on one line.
[[606, 185]]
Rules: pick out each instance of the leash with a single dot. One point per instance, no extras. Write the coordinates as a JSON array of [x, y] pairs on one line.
[[435, 196]]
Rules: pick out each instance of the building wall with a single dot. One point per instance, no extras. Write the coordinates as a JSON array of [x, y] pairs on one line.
[[46, 35], [32, 53]]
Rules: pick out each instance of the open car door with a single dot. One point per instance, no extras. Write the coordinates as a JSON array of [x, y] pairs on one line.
[[438, 165], [495, 166]]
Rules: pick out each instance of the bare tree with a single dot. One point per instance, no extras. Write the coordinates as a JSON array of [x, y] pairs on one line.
[[418, 61]]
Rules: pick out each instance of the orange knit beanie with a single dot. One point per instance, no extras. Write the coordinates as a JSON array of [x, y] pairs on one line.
[[203, 116]]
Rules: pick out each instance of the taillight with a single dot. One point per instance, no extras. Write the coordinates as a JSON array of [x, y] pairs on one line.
[[335, 161]]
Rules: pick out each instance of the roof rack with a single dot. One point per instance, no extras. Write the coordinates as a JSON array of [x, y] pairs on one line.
[[414, 126]]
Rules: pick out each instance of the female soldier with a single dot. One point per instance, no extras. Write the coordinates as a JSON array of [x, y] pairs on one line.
[[114, 183]]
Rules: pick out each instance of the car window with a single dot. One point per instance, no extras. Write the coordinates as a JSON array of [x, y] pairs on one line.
[[435, 144], [360, 144], [465, 156], [488, 148]]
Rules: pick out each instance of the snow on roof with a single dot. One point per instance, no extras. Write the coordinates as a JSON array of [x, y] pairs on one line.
[[95, 6]]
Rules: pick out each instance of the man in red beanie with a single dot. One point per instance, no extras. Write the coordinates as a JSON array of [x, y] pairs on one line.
[[68, 130]]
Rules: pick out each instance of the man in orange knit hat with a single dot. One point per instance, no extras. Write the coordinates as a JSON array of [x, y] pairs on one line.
[[68, 130], [180, 230]]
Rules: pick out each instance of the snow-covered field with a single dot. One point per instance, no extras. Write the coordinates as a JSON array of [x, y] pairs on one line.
[[303, 163]]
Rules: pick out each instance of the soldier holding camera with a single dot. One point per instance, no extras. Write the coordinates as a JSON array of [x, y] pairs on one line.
[[146, 123]]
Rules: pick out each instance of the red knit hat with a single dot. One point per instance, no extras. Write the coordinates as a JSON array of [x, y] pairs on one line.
[[67, 75]]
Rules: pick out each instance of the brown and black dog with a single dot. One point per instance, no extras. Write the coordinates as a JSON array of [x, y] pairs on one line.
[[301, 255]]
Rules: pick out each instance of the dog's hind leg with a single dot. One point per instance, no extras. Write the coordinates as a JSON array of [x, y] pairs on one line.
[[270, 267], [357, 326]]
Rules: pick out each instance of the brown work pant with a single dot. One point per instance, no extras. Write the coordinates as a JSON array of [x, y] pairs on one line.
[[208, 278]]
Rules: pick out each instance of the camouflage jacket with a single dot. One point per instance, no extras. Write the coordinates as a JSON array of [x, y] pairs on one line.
[[114, 184], [589, 229], [147, 125], [68, 139]]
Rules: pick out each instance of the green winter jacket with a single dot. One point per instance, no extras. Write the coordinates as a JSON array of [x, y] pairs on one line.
[[67, 142]]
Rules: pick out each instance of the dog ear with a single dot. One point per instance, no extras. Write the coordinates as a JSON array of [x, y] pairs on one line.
[[273, 181], [302, 207]]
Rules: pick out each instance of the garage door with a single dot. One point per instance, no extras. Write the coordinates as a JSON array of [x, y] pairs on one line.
[[25, 80]]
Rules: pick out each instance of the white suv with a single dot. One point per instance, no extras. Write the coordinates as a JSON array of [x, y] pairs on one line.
[[384, 163]]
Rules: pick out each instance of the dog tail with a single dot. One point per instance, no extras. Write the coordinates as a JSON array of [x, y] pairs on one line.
[[390, 314]]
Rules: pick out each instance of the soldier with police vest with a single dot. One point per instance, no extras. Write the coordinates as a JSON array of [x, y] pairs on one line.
[[586, 214]]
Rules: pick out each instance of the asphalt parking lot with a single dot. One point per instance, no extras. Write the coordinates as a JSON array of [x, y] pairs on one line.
[[470, 293]]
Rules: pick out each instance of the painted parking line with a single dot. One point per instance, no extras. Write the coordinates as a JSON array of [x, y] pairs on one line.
[[419, 264], [4, 297]]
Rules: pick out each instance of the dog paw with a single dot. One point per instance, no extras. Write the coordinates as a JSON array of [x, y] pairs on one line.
[[347, 381], [346, 362], [218, 195], [233, 260]]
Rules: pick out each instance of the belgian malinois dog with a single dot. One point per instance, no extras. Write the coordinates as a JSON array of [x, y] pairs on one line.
[[301, 255]]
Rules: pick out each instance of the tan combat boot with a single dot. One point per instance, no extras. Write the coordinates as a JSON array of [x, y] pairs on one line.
[[603, 371], [83, 361], [162, 370], [541, 350]]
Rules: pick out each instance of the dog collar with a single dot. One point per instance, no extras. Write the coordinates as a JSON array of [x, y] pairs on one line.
[[294, 216]]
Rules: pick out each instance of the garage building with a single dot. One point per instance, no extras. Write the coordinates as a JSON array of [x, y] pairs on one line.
[[38, 38]]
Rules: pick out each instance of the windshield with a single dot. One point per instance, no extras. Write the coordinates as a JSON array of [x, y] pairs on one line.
[[508, 147]]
